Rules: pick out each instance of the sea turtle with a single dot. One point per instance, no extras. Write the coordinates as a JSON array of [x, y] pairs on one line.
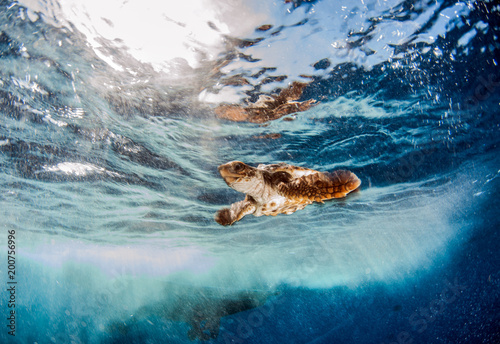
[[268, 108], [280, 188]]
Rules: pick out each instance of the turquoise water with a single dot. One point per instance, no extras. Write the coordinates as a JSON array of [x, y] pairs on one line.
[[110, 142]]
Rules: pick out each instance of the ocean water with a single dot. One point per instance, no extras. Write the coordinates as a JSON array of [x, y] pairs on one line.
[[110, 141]]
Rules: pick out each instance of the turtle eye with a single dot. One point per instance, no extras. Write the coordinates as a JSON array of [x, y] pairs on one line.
[[238, 167]]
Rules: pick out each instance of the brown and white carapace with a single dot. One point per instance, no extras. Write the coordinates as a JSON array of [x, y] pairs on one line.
[[280, 188]]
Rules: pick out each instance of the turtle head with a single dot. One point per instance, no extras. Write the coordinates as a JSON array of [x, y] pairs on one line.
[[241, 177], [235, 171], [255, 182]]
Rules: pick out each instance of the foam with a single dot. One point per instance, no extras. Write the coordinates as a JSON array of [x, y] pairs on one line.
[[382, 234]]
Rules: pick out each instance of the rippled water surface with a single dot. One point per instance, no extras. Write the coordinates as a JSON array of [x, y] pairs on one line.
[[114, 118]]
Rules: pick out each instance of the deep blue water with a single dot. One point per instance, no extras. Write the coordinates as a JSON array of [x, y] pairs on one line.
[[110, 142]]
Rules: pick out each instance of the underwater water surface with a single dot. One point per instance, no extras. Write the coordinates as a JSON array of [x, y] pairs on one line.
[[115, 115]]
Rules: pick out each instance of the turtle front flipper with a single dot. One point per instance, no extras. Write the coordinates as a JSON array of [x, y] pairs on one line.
[[228, 216], [321, 186]]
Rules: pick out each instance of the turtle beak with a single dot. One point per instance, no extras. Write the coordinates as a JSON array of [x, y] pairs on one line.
[[228, 177], [222, 170]]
